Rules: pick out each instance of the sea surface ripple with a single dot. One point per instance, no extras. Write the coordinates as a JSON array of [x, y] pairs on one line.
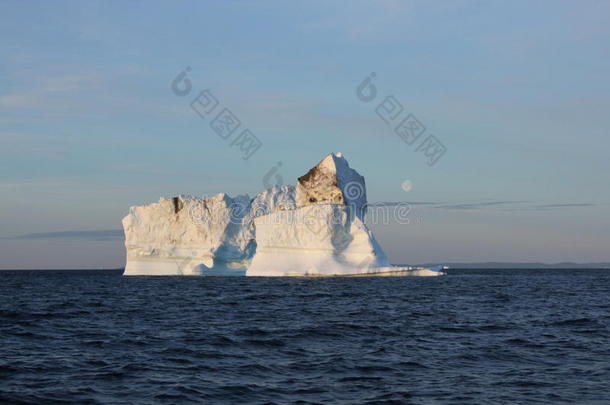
[[474, 336]]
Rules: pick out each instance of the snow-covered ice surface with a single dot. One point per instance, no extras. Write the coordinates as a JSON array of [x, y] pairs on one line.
[[314, 229]]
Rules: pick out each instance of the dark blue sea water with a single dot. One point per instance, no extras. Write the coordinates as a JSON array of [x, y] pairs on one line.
[[474, 336]]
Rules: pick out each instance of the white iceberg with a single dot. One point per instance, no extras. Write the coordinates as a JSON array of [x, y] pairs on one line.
[[314, 229]]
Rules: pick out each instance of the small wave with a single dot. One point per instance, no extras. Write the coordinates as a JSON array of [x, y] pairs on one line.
[[266, 342], [575, 322], [360, 378]]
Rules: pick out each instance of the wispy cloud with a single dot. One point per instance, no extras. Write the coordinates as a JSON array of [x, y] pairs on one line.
[[88, 92], [565, 205], [43, 88], [559, 206], [502, 204], [99, 235], [395, 203], [477, 205], [362, 20], [42, 184]]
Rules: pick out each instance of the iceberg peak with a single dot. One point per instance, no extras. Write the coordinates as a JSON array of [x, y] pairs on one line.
[[332, 180]]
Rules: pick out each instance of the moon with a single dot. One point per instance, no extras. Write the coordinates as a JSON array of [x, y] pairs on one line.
[[407, 185]]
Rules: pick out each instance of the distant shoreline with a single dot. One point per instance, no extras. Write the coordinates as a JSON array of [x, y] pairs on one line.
[[530, 265]]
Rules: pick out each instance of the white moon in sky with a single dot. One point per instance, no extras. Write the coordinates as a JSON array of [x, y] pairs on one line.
[[407, 185]]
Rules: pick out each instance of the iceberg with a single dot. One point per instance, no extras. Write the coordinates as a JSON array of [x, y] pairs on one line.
[[314, 229]]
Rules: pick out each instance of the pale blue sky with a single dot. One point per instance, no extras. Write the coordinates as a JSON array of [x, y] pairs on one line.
[[517, 91]]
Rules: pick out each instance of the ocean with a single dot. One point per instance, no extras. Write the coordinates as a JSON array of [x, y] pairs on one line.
[[473, 336]]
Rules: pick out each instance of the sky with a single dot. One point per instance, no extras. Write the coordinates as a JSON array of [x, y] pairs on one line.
[[516, 92]]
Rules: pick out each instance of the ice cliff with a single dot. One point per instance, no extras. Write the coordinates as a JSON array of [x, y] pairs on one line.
[[315, 228]]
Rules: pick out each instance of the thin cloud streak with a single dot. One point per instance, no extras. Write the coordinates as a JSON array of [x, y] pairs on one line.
[[555, 207], [483, 205], [565, 205], [479, 205], [396, 203]]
